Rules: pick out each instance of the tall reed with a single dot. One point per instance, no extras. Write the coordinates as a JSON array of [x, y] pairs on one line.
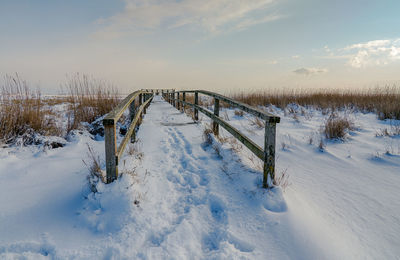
[[21, 110], [90, 98], [385, 101]]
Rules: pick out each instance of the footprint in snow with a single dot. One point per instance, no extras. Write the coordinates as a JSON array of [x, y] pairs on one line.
[[217, 209]]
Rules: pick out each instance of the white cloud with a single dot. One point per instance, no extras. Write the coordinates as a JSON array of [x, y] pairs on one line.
[[296, 57], [310, 71], [210, 15], [373, 53]]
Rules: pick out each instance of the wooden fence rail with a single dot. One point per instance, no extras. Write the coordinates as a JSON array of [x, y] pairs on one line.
[[178, 100], [112, 151], [267, 154]]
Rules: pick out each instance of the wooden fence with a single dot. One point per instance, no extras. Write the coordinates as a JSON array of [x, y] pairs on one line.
[[135, 113], [178, 100]]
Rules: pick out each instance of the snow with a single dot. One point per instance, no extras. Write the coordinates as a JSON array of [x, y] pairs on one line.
[[183, 199]]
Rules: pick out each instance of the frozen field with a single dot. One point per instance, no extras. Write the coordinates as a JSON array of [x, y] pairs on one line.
[[181, 198]]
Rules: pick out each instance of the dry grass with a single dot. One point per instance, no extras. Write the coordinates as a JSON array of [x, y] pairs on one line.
[[282, 180], [207, 135], [336, 127], [392, 130], [383, 101], [255, 121], [89, 98], [95, 173], [239, 112], [21, 111]]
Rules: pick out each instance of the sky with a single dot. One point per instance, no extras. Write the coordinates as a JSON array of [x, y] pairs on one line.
[[220, 45]]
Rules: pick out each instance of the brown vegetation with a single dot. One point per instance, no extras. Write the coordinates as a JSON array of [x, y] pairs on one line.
[[383, 101], [89, 99], [21, 111], [207, 135], [336, 127], [24, 113], [95, 173]]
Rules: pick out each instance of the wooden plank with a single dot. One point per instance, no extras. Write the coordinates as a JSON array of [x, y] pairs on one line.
[[116, 113], [249, 109], [236, 133]]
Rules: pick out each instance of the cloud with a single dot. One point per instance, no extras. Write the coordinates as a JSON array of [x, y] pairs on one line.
[[373, 53], [210, 15], [310, 71], [296, 57]]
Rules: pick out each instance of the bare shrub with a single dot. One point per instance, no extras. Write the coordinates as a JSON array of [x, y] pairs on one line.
[[321, 145], [95, 173], [217, 150], [239, 113], [226, 116], [90, 98], [255, 121], [190, 112], [282, 179], [336, 127], [207, 135], [21, 110], [393, 130]]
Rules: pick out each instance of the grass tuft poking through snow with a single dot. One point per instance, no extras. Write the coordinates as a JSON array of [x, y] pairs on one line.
[[207, 135], [336, 127], [95, 173]]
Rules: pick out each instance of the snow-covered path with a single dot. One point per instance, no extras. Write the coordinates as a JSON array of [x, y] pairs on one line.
[[201, 204], [179, 198]]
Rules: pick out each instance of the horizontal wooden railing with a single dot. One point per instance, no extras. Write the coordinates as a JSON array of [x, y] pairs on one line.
[[178, 100], [267, 154], [113, 153]]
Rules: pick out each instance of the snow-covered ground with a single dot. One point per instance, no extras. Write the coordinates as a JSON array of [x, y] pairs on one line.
[[181, 198]]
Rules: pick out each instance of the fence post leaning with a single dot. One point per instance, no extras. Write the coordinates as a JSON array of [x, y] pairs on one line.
[[269, 154], [216, 112], [196, 102], [178, 105], [111, 150]]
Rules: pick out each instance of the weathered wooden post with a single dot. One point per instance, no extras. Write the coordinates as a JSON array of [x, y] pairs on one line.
[[178, 105], [174, 98], [132, 112], [144, 100], [111, 150], [196, 102], [269, 154], [184, 100], [216, 112]]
